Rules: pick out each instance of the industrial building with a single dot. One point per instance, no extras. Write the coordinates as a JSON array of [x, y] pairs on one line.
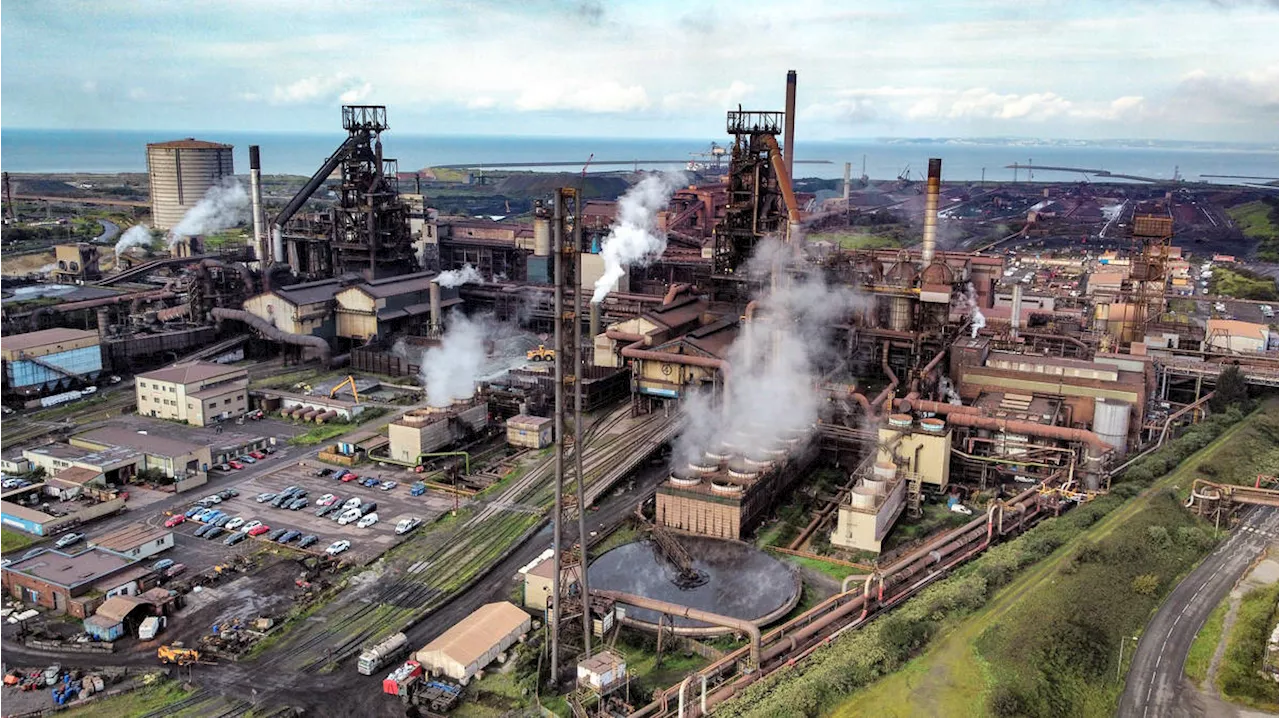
[[474, 642], [875, 503], [76, 262], [200, 393], [175, 458], [180, 172], [50, 360], [137, 541], [75, 584], [426, 431]]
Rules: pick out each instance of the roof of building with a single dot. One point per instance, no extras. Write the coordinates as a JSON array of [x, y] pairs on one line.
[[67, 570], [22, 512], [101, 621], [216, 391], [78, 475], [117, 608], [192, 372], [158, 596], [472, 637], [1236, 328], [1106, 278], [396, 286], [61, 451], [528, 420], [715, 338], [602, 662], [677, 313], [44, 337], [188, 143], [148, 443], [309, 292], [130, 537]]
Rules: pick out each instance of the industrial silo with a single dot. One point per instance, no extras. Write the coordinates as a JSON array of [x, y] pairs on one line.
[[180, 173], [1111, 422]]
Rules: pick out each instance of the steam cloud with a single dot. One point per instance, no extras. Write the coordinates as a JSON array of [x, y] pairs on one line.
[[226, 204], [775, 359], [458, 277], [634, 238], [968, 302], [138, 235], [450, 370]]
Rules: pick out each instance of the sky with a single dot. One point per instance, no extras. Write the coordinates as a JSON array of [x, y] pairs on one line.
[[1200, 70]]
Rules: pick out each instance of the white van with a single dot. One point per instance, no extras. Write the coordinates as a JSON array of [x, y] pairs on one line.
[[348, 516]]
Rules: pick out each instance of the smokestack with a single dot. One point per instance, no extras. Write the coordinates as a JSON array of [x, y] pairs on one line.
[[1015, 313], [434, 293], [789, 134], [255, 195], [848, 171], [931, 211], [277, 245], [594, 325]]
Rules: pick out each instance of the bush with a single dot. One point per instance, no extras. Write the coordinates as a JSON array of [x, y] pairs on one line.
[[1158, 536], [1006, 702], [1146, 584]]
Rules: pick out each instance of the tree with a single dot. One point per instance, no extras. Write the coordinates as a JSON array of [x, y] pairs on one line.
[[1231, 389]]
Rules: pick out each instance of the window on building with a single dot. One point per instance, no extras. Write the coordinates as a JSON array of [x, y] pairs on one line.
[[226, 402], [213, 405], [33, 596], [239, 397]]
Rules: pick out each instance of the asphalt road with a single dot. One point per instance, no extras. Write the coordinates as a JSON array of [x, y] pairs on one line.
[[1155, 681]]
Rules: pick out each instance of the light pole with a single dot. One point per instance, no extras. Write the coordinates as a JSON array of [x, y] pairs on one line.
[[1120, 658]]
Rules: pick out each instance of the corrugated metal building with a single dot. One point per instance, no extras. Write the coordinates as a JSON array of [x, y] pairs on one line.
[[475, 642], [50, 359]]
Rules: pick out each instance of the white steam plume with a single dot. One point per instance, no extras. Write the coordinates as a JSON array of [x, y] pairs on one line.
[[948, 390], [776, 360], [450, 370], [968, 302], [226, 204], [47, 268], [138, 235], [458, 277], [634, 238]]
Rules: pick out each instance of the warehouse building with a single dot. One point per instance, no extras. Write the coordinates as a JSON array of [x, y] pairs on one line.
[[381, 307], [137, 541], [475, 642], [305, 308], [1235, 336], [199, 393], [74, 584], [175, 458], [425, 431], [50, 360]]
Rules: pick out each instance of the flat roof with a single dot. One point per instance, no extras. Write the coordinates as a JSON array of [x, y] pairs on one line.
[[77, 475], [474, 635], [1236, 328], [22, 512], [309, 292], [68, 570], [193, 372], [155, 445], [44, 337], [130, 537], [61, 451]]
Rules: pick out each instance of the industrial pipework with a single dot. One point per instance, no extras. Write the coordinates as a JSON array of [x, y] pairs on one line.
[[275, 334], [932, 188]]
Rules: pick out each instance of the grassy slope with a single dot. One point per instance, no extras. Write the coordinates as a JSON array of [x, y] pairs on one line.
[[134, 703], [1238, 677], [953, 678], [1206, 642], [11, 540], [1230, 283], [1258, 219]]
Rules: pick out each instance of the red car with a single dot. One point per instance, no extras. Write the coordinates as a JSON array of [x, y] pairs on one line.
[[175, 569], [259, 530], [257, 454], [349, 477], [174, 521], [235, 464]]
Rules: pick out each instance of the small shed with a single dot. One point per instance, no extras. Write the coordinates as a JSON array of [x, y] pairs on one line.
[[530, 432], [602, 673], [115, 617], [101, 628], [475, 642]]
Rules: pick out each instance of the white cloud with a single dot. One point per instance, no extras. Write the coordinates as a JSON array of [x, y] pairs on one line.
[[137, 93], [89, 86], [723, 98], [604, 97], [321, 88], [484, 102]]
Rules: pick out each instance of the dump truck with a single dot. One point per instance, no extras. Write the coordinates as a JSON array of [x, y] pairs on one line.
[[541, 354], [381, 653], [176, 653]]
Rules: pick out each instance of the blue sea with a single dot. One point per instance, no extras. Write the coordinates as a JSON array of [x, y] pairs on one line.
[[26, 150]]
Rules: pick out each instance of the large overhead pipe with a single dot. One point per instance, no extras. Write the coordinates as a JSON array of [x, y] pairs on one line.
[[784, 185], [789, 131], [274, 333], [678, 611], [300, 199], [932, 188], [255, 196]]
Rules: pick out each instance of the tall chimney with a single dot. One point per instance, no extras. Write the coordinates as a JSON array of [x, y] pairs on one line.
[[848, 171], [255, 192], [931, 211], [434, 294], [789, 134], [1015, 312], [594, 323]]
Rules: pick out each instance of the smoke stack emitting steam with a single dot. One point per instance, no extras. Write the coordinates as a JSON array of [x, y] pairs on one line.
[[449, 371], [138, 235], [634, 238], [224, 205], [458, 277]]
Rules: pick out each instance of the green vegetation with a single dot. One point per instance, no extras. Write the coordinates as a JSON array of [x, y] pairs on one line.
[[321, 434], [14, 540], [134, 703], [942, 681], [1257, 219], [858, 240], [1206, 643], [1241, 284], [1240, 678]]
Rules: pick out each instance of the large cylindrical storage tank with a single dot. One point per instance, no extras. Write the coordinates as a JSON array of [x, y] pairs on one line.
[[900, 314], [1111, 422], [180, 173], [541, 236]]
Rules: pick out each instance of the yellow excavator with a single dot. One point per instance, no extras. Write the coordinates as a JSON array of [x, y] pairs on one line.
[[350, 380], [176, 653]]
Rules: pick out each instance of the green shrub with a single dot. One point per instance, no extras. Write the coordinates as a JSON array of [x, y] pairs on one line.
[[1146, 584], [1158, 536]]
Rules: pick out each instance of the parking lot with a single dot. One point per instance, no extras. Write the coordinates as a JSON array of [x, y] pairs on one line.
[[366, 543]]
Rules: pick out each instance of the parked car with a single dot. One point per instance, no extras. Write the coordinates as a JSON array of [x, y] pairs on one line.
[[213, 516], [368, 507], [348, 477], [228, 493], [367, 521], [175, 570], [326, 500], [257, 455], [404, 526], [324, 510], [224, 467], [353, 502], [250, 526], [213, 533], [191, 512], [162, 564], [307, 540], [389, 485], [275, 535], [68, 540], [338, 547], [290, 535], [326, 472], [369, 482], [236, 538], [258, 530], [174, 521], [200, 532], [201, 514], [299, 493], [222, 520], [213, 499], [248, 459], [235, 523], [297, 504], [264, 497], [235, 464], [348, 516], [279, 500]]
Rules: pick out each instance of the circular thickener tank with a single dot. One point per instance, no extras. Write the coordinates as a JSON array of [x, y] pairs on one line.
[[180, 173], [900, 421], [885, 470], [742, 581], [1111, 422]]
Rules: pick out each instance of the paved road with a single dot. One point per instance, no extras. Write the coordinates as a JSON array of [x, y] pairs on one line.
[[1155, 678]]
